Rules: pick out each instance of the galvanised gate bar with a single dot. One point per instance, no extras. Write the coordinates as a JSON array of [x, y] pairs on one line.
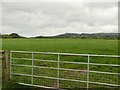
[[82, 77]]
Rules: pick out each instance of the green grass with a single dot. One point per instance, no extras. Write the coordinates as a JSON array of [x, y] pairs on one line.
[[81, 46], [93, 46]]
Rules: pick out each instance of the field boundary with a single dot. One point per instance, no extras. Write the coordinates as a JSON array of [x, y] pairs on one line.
[[5, 65], [58, 78]]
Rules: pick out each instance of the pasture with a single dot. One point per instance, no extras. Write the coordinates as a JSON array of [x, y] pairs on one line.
[[83, 46], [80, 46]]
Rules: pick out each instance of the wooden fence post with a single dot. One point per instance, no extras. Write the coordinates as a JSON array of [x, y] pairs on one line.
[[5, 67]]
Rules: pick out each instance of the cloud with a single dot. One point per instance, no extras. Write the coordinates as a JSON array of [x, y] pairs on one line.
[[51, 18]]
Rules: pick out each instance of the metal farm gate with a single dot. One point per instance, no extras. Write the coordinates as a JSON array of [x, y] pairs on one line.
[[64, 70]]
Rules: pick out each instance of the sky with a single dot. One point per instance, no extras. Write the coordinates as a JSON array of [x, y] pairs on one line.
[[53, 18]]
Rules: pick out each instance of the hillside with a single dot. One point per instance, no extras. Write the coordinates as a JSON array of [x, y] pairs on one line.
[[70, 35], [85, 35]]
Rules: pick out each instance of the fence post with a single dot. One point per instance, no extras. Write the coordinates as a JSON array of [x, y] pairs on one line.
[[10, 64], [32, 67], [88, 72], [58, 71], [5, 67]]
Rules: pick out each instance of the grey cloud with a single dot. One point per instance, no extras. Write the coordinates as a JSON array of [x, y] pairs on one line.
[[50, 18], [101, 5]]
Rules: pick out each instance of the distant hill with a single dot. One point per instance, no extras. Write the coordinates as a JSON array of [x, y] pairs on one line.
[[70, 35], [93, 35]]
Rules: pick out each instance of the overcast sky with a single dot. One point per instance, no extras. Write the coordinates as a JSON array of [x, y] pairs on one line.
[[53, 18]]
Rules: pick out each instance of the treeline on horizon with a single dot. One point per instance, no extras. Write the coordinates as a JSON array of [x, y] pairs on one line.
[[70, 35]]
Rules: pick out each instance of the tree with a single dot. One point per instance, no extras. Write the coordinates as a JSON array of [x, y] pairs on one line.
[[14, 35]]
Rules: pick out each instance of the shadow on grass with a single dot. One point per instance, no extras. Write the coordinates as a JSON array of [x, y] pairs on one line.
[[15, 86]]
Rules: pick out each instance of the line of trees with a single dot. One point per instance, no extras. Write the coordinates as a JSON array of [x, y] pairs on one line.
[[12, 35], [93, 35], [70, 35]]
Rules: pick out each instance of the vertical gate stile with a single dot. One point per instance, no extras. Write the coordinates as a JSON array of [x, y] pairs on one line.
[[88, 72], [10, 64], [32, 67], [58, 71]]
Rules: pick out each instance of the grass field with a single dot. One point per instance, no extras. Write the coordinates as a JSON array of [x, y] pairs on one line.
[[81, 46], [91, 46]]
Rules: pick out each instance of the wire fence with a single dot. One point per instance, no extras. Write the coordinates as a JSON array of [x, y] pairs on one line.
[[64, 70]]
